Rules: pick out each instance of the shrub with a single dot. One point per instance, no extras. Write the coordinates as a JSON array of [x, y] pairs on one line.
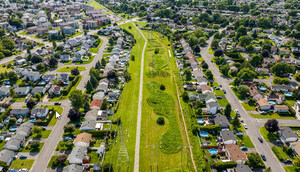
[[224, 165], [162, 87], [160, 120], [254, 160]]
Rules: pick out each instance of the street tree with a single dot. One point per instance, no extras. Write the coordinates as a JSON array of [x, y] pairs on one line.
[[227, 110], [76, 99], [225, 69], [75, 71], [74, 114], [218, 53], [282, 69], [272, 125], [243, 90], [69, 128], [30, 103], [236, 123], [35, 144], [37, 130], [209, 75], [89, 86]]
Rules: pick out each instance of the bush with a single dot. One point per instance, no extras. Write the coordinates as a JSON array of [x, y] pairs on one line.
[[162, 87], [224, 165], [160, 120], [254, 160], [210, 128]]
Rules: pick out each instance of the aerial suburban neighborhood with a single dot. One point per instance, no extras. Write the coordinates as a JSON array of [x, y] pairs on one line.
[[153, 85]]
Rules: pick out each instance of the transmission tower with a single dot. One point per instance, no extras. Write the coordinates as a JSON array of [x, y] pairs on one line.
[[123, 158], [153, 157]]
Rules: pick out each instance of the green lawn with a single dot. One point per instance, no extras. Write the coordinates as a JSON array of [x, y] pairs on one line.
[[68, 69], [94, 50], [18, 99], [4, 69], [271, 116], [75, 35], [53, 160], [219, 93], [280, 154], [245, 141], [94, 157], [248, 107], [23, 33], [2, 143], [240, 97], [28, 149], [22, 163], [291, 102], [86, 62], [223, 102], [61, 146], [291, 169], [59, 109], [96, 5], [44, 134], [268, 136]]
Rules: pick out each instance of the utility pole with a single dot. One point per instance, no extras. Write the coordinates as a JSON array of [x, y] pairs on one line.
[[153, 155]]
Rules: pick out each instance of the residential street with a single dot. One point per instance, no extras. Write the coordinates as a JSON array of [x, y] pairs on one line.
[[252, 123]]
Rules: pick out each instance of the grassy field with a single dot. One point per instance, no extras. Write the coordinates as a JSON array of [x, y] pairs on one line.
[[271, 116], [223, 102], [94, 50], [245, 141], [22, 163], [268, 136], [291, 169], [159, 69], [28, 149], [219, 93], [248, 107], [96, 5], [128, 104], [44, 134], [68, 69]]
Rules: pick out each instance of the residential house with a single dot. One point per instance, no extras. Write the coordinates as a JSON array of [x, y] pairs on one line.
[[242, 168], [49, 77], [96, 104], [77, 155], [263, 104], [221, 120], [15, 143], [88, 125], [228, 137], [4, 91], [25, 129], [39, 112], [40, 90], [99, 95], [65, 57], [282, 88], [83, 139], [69, 30], [296, 148], [281, 108], [213, 107], [53, 34], [235, 153], [287, 134], [192, 96], [32, 76], [73, 168], [19, 112], [63, 77], [103, 85], [55, 90], [7, 156], [22, 91]]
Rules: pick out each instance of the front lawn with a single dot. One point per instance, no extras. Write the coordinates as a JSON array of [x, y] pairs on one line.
[[61, 146], [22, 163], [291, 169], [58, 109], [29, 149], [86, 62], [240, 97], [219, 93], [280, 154], [52, 163], [269, 137], [68, 69], [44, 134], [245, 141], [94, 157], [94, 50], [271, 116], [290, 102], [248, 107], [223, 102]]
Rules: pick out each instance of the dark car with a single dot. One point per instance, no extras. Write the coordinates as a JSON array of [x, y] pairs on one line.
[[260, 139], [224, 91], [57, 103], [263, 157], [23, 157]]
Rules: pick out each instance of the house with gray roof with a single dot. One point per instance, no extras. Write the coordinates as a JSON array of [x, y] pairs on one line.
[[25, 129], [221, 120], [32, 76], [242, 168], [77, 155], [39, 112], [7, 156], [73, 168], [40, 90], [17, 112], [228, 137], [15, 143], [4, 91], [287, 134], [103, 85], [88, 125], [22, 91], [213, 107]]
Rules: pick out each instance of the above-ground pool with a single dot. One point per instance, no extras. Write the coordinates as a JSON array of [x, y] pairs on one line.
[[200, 121], [288, 94], [272, 102], [204, 134], [32, 120], [262, 88], [12, 128], [213, 151]]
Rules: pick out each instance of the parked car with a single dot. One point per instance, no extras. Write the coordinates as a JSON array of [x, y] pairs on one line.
[[224, 91], [220, 85], [245, 126], [237, 111], [287, 161], [263, 157], [57, 103], [260, 139], [22, 157], [67, 138], [244, 148], [219, 97]]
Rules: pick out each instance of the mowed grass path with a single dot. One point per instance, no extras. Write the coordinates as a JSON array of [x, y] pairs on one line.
[[129, 103], [160, 68]]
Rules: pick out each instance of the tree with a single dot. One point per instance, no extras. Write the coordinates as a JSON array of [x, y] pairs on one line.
[[30, 103], [12, 76], [272, 125], [94, 81], [243, 90], [241, 31], [89, 86], [185, 96], [297, 77], [37, 96], [225, 69], [209, 75], [218, 53], [8, 43], [292, 12], [111, 41], [188, 75], [95, 72], [127, 76], [12, 121], [2, 32], [256, 60], [227, 110], [296, 161], [69, 144], [236, 122], [53, 62], [69, 128], [251, 102], [160, 120], [132, 57], [246, 74], [245, 40], [12, 92], [37, 130], [75, 71], [1, 55], [86, 106], [280, 81], [297, 27], [35, 144], [3, 164], [265, 53], [61, 158], [76, 98], [54, 44], [282, 69], [74, 114], [36, 59], [162, 87], [214, 44], [104, 105]]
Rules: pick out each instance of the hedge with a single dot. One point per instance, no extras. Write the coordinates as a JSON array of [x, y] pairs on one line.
[[69, 87], [101, 133], [224, 165], [210, 128]]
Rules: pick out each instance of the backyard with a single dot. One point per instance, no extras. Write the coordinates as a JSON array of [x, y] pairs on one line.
[[22, 163], [269, 137]]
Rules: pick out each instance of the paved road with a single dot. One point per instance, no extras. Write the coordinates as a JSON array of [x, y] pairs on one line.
[[252, 123], [139, 116]]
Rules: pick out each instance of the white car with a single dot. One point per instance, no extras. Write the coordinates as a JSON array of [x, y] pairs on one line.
[[237, 111], [245, 126]]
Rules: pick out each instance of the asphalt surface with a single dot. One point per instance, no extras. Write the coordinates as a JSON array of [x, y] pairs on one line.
[[252, 123]]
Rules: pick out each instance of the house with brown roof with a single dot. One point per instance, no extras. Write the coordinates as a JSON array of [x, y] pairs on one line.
[[235, 153], [83, 139], [96, 104], [263, 104], [281, 108]]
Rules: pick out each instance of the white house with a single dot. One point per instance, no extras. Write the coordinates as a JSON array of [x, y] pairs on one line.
[[287, 134], [32, 76], [77, 155], [228, 137]]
